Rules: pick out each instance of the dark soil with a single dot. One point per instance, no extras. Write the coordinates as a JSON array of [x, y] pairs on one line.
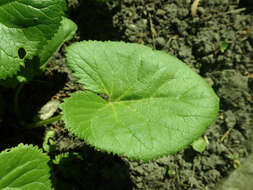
[[165, 25]]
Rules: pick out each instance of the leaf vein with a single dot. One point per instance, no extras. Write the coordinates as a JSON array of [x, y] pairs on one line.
[[94, 70]]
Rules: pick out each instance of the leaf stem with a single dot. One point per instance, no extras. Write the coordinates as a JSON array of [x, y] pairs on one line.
[[16, 102], [45, 122]]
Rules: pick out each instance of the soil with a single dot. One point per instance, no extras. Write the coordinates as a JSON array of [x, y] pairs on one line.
[[165, 25], [240, 178]]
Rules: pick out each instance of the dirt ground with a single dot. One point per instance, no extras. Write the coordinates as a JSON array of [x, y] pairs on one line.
[[199, 41]]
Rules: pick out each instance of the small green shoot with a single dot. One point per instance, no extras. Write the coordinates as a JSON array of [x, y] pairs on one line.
[[199, 145], [48, 142], [223, 47], [235, 160], [171, 171]]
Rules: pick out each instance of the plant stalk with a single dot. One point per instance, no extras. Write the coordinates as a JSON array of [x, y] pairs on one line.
[[16, 102], [45, 122]]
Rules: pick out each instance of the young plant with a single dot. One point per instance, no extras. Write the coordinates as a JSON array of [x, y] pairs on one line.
[[223, 47], [199, 145], [140, 103], [31, 31]]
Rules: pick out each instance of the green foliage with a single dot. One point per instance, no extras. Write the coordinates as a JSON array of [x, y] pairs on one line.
[[153, 104], [31, 32], [65, 33], [24, 168], [199, 145], [48, 142], [139, 102], [235, 159], [223, 47]]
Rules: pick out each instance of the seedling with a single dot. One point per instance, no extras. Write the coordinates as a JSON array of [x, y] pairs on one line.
[[171, 171], [138, 102], [199, 145], [48, 142], [223, 47], [235, 159]]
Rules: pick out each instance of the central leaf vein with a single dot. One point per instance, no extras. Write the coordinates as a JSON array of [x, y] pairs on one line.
[[131, 132], [102, 82]]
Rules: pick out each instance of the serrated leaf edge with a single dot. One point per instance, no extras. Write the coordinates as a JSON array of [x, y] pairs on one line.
[[43, 64], [27, 147], [76, 133], [20, 146]]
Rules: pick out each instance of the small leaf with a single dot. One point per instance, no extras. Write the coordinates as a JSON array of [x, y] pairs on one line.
[[199, 145], [48, 142], [25, 168], [223, 47], [155, 104]]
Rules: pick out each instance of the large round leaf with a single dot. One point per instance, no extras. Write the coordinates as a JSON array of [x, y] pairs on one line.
[[154, 104]]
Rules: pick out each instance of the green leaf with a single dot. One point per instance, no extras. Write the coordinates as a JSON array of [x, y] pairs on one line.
[[32, 68], [199, 145], [26, 26], [223, 47], [155, 105], [65, 33], [25, 168], [35, 66]]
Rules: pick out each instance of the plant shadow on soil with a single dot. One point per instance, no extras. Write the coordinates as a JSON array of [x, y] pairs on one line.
[[32, 97], [88, 169], [94, 21]]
